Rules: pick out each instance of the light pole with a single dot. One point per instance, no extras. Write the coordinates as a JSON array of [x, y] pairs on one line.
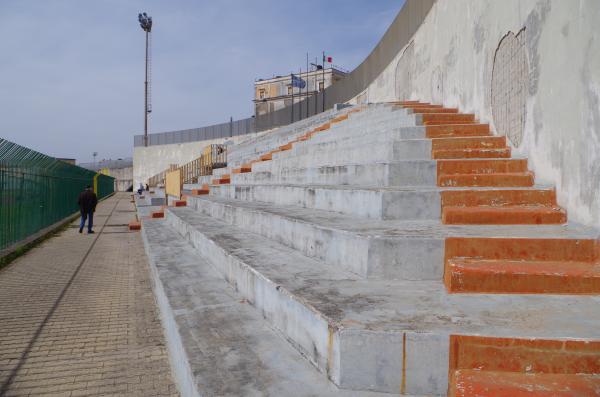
[[146, 23], [95, 154]]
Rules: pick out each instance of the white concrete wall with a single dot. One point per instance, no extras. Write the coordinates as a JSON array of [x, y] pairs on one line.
[[451, 62], [123, 178], [151, 160]]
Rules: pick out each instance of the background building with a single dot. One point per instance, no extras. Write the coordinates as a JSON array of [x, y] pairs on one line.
[[120, 169], [273, 94]]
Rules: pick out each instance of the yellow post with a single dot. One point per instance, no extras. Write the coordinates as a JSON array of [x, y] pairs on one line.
[[96, 183]]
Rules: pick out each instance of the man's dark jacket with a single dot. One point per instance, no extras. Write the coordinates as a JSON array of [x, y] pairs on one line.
[[87, 201]]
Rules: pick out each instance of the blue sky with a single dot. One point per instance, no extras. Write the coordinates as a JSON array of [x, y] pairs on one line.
[[71, 71]]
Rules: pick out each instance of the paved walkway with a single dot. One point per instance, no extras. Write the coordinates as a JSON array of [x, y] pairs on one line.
[[78, 316]]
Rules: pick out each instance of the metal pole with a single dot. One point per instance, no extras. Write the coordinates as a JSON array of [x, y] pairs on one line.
[[146, 97], [323, 80], [307, 88], [300, 99], [317, 85], [292, 84]]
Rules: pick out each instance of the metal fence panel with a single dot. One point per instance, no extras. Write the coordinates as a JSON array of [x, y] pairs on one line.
[[37, 191]]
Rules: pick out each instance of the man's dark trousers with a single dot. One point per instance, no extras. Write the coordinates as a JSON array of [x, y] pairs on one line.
[[90, 218]]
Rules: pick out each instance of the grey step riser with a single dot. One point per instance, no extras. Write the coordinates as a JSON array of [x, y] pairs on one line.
[[328, 141], [406, 149], [375, 117], [353, 359], [405, 173], [400, 205], [401, 258], [355, 155], [384, 123], [392, 122], [359, 135], [365, 175]]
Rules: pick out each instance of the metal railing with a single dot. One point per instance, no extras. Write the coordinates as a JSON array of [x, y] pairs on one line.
[[213, 156], [37, 191]]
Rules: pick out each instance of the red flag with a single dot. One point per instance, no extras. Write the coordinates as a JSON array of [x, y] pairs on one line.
[[329, 59]]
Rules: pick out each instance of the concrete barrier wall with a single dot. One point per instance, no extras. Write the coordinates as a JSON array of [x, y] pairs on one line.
[[531, 68]]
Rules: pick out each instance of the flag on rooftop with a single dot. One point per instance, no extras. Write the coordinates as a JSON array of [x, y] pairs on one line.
[[298, 82]]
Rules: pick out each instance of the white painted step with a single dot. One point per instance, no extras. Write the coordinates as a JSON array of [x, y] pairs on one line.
[[375, 203], [405, 250], [366, 333], [355, 152], [219, 345], [340, 172]]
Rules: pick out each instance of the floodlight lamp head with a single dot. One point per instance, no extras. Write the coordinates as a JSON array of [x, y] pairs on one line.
[[145, 21]]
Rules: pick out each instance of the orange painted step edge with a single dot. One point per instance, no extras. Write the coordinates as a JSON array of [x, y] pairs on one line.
[[475, 166], [497, 197], [473, 383], [431, 109], [471, 153], [507, 215], [180, 203], [158, 214], [522, 179], [469, 142], [457, 130], [339, 118], [524, 355], [521, 277], [134, 225], [544, 249], [200, 192], [287, 146]]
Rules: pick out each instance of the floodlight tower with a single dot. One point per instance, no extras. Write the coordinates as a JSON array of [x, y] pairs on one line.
[[146, 23]]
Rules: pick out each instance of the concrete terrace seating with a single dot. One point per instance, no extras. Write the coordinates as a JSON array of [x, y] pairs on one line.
[[398, 248]]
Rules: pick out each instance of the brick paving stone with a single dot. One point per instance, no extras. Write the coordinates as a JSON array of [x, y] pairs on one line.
[[93, 329]]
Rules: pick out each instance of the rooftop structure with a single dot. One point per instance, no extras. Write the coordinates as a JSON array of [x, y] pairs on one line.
[[278, 92]]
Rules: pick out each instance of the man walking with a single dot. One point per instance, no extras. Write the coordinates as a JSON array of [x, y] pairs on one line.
[[87, 205]]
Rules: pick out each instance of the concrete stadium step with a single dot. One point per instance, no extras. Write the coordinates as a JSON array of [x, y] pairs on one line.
[[247, 356], [379, 335], [375, 203], [373, 174], [346, 139], [515, 265], [361, 135], [410, 250], [393, 173], [352, 153], [508, 367], [267, 141]]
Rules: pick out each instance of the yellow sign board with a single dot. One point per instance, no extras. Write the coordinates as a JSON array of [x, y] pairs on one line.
[[173, 184]]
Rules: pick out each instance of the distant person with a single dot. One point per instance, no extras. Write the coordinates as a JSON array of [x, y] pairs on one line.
[[147, 188], [140, 189], [87, 205]]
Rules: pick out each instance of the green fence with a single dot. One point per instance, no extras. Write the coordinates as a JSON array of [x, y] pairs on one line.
[[37, 191]]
